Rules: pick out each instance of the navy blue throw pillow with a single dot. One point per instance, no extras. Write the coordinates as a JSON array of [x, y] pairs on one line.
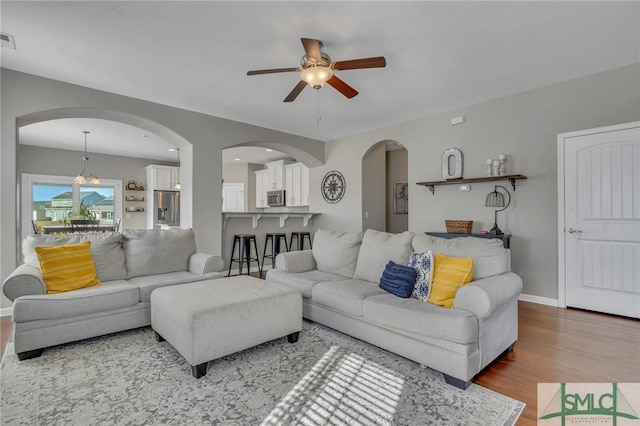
[[398, 279]]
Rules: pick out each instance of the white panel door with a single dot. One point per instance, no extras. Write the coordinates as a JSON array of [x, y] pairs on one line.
[[233, 197], [602, 221]]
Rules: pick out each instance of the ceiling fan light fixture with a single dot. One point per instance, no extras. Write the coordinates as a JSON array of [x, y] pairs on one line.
[[316, 76]]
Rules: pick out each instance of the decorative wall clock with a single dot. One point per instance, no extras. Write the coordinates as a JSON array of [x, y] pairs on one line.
[[333, 187]]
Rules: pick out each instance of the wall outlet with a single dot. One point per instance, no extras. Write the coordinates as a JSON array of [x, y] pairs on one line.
[[464, 188]]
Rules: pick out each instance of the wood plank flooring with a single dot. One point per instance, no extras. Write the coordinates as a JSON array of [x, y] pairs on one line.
[[555, 345]]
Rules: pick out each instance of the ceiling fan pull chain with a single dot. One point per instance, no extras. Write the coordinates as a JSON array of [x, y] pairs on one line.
[[318, 116]]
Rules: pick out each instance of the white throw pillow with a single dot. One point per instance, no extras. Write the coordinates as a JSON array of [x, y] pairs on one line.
[[336, 252], [377, 249], [488, 254], [423, 264]]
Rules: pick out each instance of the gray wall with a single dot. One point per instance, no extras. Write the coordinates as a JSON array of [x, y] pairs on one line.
[[523, 126], [396, 172], [374, 189], [201, 138], [60, 162]]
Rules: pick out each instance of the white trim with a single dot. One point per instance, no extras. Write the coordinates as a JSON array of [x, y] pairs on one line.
[[540, 300], [6, 312], [562, 137]]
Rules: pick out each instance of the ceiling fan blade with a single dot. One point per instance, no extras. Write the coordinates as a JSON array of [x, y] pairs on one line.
[[353, 64], [312, 48], [342, 87], [271, 71], [296, 91]]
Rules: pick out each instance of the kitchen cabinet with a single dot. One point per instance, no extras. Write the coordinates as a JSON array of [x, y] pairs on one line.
[[263, 184], [296, 184], [276, 175], [162, 178]]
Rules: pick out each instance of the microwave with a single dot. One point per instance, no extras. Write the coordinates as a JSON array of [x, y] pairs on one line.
[[275, 198]]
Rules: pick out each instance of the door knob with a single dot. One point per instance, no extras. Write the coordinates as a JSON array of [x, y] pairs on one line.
[[574, 231]]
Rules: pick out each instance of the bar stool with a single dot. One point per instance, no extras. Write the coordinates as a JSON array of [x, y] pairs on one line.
[[275, 238], [300, 236], [244, 245]]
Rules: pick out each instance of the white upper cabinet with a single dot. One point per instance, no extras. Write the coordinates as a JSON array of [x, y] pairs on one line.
[[296, 184], [276, 175], [162, 178], [263, 185]]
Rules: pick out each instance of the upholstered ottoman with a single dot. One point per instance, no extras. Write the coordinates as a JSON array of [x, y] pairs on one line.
[[210, 319]]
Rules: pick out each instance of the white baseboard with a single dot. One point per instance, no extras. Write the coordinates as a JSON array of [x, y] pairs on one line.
[[540, 300], [6, 312]]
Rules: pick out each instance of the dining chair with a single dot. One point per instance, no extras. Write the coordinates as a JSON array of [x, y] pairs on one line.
[[36, 230]]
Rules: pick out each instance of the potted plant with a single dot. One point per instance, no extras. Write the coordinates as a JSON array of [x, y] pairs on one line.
[[84, 215]]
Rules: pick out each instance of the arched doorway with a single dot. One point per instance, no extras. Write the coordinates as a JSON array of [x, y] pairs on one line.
[[384, 187], [115, 165]]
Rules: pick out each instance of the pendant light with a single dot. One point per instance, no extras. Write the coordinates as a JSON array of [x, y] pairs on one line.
[[85, 175]]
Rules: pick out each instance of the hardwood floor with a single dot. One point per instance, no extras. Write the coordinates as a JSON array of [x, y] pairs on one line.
[[555, 345]]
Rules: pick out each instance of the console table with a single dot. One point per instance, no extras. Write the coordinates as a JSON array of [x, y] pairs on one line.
[[506, 238]]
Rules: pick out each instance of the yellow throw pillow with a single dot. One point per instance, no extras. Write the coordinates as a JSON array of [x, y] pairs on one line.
[[449, 274], [67, 267]]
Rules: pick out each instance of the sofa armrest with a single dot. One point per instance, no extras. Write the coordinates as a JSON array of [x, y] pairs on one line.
[[296, 261], [26, 279], [484, 296], [202, 263]]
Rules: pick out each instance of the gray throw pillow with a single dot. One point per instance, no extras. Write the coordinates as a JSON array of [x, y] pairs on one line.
[[377, 249], [336, 252]]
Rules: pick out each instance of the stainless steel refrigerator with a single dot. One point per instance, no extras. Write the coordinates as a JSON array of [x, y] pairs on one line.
[[166, 209]]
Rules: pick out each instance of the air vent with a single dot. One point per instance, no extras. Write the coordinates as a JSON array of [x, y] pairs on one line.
[[7, 40]]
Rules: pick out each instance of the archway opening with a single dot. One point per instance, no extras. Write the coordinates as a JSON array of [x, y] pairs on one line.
[[385, 189]]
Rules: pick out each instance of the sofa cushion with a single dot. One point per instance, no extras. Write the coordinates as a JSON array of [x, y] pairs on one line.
[[148, 283], [336, 252], [398, 279], [449, 274], [106, 249], [423, 264], [346, 296], [152, 251], [488, 254], [103, 297], [68, 267], [423, 319], [301, 281], [377, 249]]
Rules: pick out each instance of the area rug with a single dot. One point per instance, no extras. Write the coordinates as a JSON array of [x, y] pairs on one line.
[[326, 377]]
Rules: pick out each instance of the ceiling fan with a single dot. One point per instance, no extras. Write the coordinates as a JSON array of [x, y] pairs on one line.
[[316, 69]]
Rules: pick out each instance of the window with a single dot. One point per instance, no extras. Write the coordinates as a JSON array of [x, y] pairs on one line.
[[51, 200]]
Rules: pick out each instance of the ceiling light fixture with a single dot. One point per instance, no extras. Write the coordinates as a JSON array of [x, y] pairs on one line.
[[85, 175], [316, 76], [177, 185]]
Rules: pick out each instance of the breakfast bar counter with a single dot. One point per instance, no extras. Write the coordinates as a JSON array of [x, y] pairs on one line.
[[260, 224], [282, 216]]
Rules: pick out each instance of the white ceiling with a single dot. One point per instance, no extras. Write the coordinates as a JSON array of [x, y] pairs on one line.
[[195, 55]]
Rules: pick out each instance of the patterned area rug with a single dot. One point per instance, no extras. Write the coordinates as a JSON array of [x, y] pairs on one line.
[[325, 378]]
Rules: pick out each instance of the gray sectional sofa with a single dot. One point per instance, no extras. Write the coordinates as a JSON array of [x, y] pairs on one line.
[[130, 265], [339, 279]]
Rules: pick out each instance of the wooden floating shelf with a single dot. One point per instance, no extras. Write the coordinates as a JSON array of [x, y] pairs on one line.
[[510, 178]]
